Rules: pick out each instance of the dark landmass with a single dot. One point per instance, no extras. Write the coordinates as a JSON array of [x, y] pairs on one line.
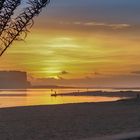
[[102, 88], [14, 80], [102, 93]]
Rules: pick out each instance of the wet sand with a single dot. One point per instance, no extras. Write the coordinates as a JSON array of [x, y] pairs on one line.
[[69, 122]]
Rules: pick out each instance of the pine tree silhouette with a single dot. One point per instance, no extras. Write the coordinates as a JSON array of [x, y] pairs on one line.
[[17, 28]]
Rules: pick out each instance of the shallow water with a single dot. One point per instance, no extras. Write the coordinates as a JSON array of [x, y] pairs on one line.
[[12, 98]]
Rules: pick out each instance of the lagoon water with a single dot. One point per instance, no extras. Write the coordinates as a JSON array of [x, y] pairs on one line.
[[29, 97]]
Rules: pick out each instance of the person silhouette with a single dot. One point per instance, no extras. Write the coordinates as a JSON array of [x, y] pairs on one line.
[[138, 96]]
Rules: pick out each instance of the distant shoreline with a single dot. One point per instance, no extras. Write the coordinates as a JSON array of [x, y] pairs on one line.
[[101, 93], [13, 95]]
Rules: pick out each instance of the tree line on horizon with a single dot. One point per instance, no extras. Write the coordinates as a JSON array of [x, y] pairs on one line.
[[12, 29]]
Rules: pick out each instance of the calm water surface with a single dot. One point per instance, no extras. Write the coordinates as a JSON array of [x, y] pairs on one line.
[[11, 98]]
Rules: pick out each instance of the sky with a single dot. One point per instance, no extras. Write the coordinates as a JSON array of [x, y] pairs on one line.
[[81, 43]]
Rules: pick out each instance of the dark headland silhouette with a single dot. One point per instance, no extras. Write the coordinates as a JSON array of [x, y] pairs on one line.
[[14, 80]]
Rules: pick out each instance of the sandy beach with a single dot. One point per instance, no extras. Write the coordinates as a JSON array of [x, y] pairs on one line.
[[69, 122]]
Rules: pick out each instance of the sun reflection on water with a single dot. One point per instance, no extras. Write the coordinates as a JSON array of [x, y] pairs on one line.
[[12, 98]]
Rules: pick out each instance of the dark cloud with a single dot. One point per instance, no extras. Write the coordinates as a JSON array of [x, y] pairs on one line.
[[108, 81], [64, 72], [94, 74], [97, 73], [60, 78], [61, 74], [135, 72]]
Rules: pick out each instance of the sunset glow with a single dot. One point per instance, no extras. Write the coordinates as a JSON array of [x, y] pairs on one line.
[[65, 45]]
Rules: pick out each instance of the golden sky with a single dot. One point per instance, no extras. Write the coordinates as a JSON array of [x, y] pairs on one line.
[[63, 46]]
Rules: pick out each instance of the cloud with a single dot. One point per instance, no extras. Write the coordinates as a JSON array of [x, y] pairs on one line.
[[94, 74], [60, 78], [64, 72], [135, 72], [61, 74], [109, 81], [97, 24], [97, 73], [114, 26]]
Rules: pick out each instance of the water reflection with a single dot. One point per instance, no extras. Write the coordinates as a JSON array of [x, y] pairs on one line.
[[12, 98]]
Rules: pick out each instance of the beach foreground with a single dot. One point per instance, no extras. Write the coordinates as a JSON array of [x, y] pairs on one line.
[[70, 122]]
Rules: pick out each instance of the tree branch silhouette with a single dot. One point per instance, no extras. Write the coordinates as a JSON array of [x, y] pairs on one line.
[[1, 3], [21, 24], [6, 12]]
